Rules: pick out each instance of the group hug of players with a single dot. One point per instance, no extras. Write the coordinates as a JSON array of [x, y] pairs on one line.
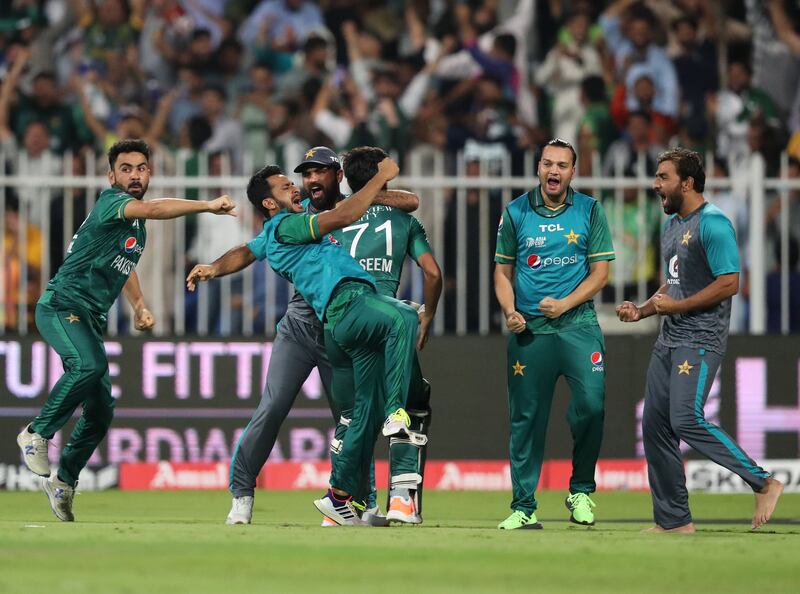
[[344, 256]]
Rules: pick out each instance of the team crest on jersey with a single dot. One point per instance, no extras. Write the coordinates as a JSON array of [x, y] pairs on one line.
[[534, 261], [129, 245], [597, 361], [333, 240], [500, 224]]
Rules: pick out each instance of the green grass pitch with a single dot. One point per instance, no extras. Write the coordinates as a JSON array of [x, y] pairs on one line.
[[177, 542]]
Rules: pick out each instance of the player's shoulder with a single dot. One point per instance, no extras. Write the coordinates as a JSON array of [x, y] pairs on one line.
[[581, 199], [711, 212], [114, 194], [713, 220]]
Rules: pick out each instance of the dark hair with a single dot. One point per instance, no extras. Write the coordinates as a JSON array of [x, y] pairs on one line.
[[313, 43], [688, 164], [640, 113], [506, 43], [131, 145], [258, 187], [685, 19], [361, 165], [199, 32], [46, 75], [561, 143], [594, 87], [199, 130], [216, 88]]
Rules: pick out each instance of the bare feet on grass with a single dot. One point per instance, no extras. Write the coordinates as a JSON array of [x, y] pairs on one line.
[[766, 500], [685, 529]]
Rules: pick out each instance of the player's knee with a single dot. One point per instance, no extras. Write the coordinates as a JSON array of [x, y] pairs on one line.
[[682, 425], [593, 408], [93, 369]]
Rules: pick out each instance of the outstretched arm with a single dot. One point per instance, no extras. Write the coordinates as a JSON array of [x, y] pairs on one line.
[[142, 318], [172, 208], [352, 209], [234, 260]]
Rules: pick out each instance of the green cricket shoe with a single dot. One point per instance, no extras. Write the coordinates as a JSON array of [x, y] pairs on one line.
[[581, 507], [519, 519]]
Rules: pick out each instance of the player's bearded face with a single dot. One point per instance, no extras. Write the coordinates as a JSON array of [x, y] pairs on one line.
[[321, 185], [668, 188], [555, 171], [285, 193], [132, 174]]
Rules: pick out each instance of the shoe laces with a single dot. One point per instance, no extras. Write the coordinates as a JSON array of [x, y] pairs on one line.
[[580, 499], [241, 503], [400, 415]]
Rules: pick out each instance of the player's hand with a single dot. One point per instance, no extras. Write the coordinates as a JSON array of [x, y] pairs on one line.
[[143, 319], [627, 311], [222, 206], [388, 169], [200, 273], [552, 308], [424, 328], [515, 322], [666, 305]]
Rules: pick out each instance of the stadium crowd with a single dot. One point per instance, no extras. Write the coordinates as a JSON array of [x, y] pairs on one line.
[[248, 79]]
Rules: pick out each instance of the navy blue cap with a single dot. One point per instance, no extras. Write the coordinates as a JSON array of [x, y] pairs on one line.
[[319, 156]]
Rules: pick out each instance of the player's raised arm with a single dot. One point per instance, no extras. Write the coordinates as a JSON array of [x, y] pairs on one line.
[[234, 260], [399, 199], [172, 208], [352, 209]]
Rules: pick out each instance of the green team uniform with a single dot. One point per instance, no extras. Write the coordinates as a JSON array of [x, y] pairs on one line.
[[363, 324], [551, 251], [71, 317], [380, 241]]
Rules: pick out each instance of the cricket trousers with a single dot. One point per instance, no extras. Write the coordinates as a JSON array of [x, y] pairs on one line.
[[76, 334], [679, 380], [535, 362], [371, 350], [299, 346]]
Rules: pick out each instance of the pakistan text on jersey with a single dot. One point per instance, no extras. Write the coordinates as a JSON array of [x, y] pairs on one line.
[[376, 264], [123, 265]]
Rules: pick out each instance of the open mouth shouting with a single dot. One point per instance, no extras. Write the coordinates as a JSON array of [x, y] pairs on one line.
[[317, 192], [297, 200], [553, 183]]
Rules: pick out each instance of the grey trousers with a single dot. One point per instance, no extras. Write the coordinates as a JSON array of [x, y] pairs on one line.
[[678, 383], [297, 349]]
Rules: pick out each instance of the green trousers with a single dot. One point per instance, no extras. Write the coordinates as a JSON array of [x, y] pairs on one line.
[[535, 362], [77, 336], [371, 351]]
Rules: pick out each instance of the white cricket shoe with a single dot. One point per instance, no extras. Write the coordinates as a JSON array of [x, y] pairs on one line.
[[374, 517], [60, 495], [403, 509], [397, 423], [342, 512], [241, 510], [34, 452]]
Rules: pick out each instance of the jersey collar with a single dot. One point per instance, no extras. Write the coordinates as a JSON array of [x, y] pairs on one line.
[[536, 201]]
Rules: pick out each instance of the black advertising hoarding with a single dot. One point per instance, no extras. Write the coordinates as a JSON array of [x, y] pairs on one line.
[[188, 400]]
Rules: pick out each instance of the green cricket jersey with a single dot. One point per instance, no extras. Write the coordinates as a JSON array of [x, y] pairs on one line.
[[551, 251], [101, 256], [380, 240]]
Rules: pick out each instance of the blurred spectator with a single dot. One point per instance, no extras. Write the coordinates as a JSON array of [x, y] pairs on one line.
[[110, 26], [596, 130], [253, 111], [696, 65], [22, 248], [642, 99], [313, 66], [562, 73], [226, 133], [286, 23], [44, 105], [775, 289], [734, 108], [187, 104], [629, 30]]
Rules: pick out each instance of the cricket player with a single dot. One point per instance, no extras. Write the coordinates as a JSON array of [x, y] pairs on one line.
[[701, 264], [552, 257], [71, 315], [299, 344], [370, 328], [379, 241]]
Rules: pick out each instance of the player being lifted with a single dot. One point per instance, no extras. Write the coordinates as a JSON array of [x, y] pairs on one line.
[[298, 345], [71, 315], [379, 241]]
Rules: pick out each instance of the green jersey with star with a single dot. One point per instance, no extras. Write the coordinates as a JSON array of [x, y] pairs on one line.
[[551, 250], [101, 256], [380, 241]]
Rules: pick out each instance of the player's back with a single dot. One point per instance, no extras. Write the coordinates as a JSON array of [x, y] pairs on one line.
[[380, 240]]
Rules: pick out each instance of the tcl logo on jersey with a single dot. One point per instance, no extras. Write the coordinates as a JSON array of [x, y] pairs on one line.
[[333, 240], [535, 261], [597, 361], [130, 245], [551, 227], [500, 224], [673, 271]]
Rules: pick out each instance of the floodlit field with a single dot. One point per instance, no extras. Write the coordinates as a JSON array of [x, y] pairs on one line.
[[177, 542]]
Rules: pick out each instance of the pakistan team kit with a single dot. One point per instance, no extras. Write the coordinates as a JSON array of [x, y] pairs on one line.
[[696, 250], [551, 250]]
